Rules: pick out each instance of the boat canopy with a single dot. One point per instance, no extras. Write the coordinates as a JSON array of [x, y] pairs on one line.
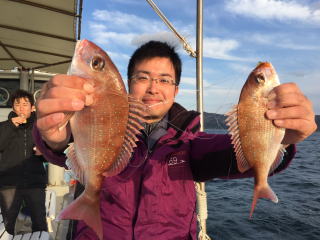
[[39, 34]]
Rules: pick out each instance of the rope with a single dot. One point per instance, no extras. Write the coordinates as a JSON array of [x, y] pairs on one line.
[[202, 210], [186, 45]]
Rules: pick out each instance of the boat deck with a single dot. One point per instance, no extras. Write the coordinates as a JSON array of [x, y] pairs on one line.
[[59, 228]]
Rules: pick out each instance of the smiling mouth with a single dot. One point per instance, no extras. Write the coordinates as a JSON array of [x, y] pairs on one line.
[[151, 101], [155, 103]]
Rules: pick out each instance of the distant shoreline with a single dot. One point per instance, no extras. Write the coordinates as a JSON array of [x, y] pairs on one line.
[[217, 121]]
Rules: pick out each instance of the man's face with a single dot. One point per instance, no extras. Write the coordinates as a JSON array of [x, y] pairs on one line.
[[157, 96], [22, 107]]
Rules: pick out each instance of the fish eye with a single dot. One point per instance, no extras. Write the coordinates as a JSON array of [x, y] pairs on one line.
[[260, 78], [97, 63]]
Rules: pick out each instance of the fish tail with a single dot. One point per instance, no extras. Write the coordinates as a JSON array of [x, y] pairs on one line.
[[262, 192], [84, 209]]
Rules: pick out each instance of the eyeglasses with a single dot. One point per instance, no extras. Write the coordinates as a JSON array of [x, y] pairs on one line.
[[143, 78]]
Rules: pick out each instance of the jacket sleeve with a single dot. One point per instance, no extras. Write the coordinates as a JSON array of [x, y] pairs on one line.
[[212, 156], [57, 158], [7, 130]]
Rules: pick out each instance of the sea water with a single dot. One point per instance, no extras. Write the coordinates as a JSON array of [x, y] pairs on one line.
[[295, 217]]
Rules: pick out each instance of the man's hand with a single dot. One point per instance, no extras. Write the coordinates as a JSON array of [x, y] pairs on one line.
[[290, 109], [62, 95], [18, 120]]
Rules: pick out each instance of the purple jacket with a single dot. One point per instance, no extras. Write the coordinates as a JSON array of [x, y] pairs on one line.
[[154, 196]]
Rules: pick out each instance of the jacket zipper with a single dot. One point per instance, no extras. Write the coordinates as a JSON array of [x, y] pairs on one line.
[[25, 143]]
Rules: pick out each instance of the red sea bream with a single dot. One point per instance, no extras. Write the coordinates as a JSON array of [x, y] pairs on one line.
[[103, 132], [256, 140]]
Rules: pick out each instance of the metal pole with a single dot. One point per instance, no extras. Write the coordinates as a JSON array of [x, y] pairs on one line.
[[200, 186], [32, 81], [199, 61], [24, 79], [80, 19]]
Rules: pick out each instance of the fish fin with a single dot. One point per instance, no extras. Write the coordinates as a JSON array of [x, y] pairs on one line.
[[87, 210], [65, 121], [262, 192], [73, 164], [137, 112], [233, 129], [278, 159]]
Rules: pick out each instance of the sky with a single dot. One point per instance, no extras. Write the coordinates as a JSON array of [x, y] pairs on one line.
[[237, 34]]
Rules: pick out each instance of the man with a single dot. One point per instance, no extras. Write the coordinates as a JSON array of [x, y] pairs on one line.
[[154, 196], [22, 174]]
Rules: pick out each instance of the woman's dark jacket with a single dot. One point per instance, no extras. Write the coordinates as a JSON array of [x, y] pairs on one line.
[[19, 166]]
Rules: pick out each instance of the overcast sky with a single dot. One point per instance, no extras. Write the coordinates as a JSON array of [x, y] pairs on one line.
[[237, 35]]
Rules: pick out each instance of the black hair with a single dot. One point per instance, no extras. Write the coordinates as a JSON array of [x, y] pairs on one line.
[[22, 94], [153, 49]]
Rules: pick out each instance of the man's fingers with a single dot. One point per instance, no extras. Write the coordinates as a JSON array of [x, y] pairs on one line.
[[71, 81], [285, 95], [51, 105], [66, 81], [284, 88], [290, 109], [293, 124], [286, 100], [302, 127], [63, 92], [295, 112], [50, 121], [61, 95], [18, 120]]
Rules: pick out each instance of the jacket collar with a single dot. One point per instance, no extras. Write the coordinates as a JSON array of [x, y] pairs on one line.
[[182, 121], [177, 123], [30, 120]]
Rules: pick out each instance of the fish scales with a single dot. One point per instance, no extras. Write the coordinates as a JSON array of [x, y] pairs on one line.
[[103, 129], [102, 132], [257, 141]]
